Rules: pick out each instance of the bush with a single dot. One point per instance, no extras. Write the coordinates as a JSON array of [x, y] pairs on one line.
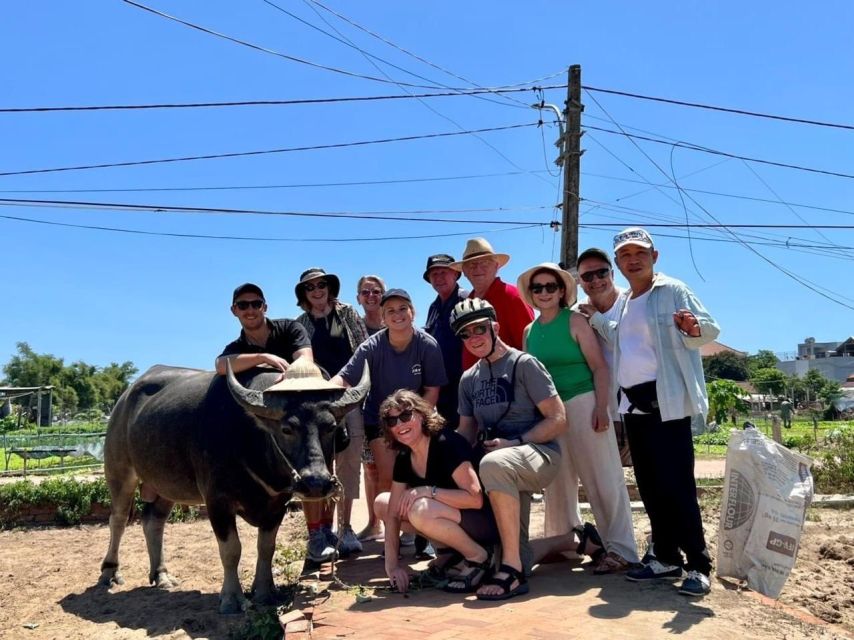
[[834, 472], [71, 498], [8, 423], [803, 441], [720, 437]]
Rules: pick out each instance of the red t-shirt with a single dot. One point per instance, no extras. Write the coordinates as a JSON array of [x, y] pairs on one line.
[[512, 312]]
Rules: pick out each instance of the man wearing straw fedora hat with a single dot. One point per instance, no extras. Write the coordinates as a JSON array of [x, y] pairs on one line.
[[480, 264]]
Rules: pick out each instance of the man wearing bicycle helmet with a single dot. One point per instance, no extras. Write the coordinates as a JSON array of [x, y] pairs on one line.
[[509, 404]]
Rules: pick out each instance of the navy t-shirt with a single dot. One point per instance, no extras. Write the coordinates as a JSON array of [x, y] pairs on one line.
[[419, 365]]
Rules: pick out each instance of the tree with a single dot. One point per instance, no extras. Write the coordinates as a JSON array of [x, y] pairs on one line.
[[725, 399], [770, 381], [79, 386], [726, 365], [764, 359]]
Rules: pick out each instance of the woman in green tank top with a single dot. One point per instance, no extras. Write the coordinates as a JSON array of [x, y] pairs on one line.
[[569, 349]]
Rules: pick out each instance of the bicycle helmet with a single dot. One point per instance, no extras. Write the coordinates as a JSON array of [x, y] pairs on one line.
[[468, 311]]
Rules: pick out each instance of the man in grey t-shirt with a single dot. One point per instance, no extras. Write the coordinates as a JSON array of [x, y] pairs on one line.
[[509, 402]]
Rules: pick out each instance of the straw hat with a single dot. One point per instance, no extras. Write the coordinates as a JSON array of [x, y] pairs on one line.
[[478, 248], [566, 278], [303, 375]]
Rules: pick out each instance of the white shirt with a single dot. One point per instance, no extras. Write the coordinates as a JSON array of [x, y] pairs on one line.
[[638, 362]]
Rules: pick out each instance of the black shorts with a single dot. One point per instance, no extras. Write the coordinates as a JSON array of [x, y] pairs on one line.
[[372, 432], [480, 525]]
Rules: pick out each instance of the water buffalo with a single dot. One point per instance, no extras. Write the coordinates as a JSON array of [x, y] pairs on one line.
[[194, 437]]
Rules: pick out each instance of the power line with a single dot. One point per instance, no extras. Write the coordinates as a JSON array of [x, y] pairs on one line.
[[695, 147], [794, 276], [696, 225], [261, 103], [360, 215], [419, 58], [303, 185], [403, 88], [718, 193], [743, 112], [240, 154], [252, 238], [347, 42], [256, 47]]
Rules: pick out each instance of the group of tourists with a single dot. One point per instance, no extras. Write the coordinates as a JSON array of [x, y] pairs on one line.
[[469, 417]]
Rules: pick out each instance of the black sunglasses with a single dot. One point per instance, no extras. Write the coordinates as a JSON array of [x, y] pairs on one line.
[[243, 305], [596, 273], [311, 287], [550, 287], [477, 330], [405, 416], [371, 292]]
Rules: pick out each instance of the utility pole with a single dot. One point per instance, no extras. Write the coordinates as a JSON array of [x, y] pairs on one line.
[[571, 155]]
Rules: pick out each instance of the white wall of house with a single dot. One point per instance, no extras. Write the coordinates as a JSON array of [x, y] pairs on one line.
[[834, 368]]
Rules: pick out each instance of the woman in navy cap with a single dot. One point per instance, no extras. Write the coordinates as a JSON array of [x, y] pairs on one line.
[[400, 356]]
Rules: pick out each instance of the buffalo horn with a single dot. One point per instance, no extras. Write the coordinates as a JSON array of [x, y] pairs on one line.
[[250, 399], [353, 396]]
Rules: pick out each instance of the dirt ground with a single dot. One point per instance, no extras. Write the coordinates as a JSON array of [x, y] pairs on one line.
[[48, 590]]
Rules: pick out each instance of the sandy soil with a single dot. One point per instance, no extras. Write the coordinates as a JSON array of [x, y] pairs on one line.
[[48, 587]]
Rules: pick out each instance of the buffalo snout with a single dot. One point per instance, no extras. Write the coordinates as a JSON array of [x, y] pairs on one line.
[[317, 484]]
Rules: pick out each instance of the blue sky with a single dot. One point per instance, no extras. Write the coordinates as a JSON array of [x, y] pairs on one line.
[[104, 296]]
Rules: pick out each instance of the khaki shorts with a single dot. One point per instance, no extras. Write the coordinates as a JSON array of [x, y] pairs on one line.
[[526, 468], [348, 463]]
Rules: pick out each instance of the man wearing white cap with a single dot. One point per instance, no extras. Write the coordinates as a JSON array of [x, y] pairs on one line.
[[660, 375], [480, 264]]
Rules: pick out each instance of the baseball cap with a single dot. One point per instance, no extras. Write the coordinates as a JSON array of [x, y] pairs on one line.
[[247, 287], [395, 293], [632, 235]]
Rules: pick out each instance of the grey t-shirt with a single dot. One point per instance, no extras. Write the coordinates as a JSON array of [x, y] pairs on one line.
[[419, 365], [505, 410]]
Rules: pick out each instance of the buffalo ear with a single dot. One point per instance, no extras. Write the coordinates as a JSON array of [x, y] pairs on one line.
[[353, 397], [251, 399]]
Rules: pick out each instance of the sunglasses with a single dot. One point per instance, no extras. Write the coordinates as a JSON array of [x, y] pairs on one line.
[[243, 305], [477, 330], [311, 287], [371, 292], [403, 418], [601, 274], [550, 287]]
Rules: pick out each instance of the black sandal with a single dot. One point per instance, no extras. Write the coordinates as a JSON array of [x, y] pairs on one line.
[[440, 571], [589, 533], [512, 575], [474, 578]]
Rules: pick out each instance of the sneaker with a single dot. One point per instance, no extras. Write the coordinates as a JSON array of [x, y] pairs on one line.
[[319, 548], [423, 549], [695, 584], [349, 543], [649, 556], [655, 570], [407, 539]]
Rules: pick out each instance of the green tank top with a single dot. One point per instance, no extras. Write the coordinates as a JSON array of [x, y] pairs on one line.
[[553, 345]]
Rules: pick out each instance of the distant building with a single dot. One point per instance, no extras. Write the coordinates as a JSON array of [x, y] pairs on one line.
[[714, 347], [835, 360]]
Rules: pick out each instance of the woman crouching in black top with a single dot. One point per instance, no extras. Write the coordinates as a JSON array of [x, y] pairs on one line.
[[435, 491]]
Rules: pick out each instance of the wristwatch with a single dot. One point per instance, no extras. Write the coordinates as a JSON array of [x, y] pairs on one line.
[[433, 491]]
